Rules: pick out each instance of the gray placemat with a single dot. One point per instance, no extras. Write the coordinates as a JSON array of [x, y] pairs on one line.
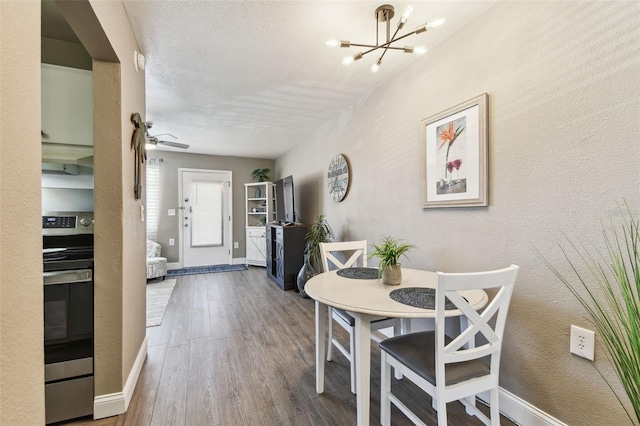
[[359, 273], [419, 297]]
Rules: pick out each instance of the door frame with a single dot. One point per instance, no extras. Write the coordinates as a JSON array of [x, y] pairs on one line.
[[181, 209]]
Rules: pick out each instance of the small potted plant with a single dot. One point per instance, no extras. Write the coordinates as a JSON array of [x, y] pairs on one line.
[[389, 253], [260, 174]]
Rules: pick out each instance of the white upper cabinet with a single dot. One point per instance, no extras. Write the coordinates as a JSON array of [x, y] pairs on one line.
[[67, 105]]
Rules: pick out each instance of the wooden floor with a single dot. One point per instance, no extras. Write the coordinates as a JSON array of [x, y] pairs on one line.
[[234, 349]]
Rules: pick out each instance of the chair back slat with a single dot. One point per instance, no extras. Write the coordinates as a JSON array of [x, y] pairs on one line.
[[463, 347], [330, 250]]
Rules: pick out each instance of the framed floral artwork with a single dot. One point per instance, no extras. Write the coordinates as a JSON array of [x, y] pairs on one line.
[[455, 156]]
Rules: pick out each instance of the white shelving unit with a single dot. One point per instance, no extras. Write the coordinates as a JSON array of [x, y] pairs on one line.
[[259, 210]]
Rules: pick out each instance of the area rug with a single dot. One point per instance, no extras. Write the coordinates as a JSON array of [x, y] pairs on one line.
[[158, 295], [205, 270]]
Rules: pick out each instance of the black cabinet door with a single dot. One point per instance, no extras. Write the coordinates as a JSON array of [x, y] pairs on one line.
[[285, 253]]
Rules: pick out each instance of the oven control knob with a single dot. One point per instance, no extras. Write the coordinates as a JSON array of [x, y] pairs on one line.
[[85, 222]]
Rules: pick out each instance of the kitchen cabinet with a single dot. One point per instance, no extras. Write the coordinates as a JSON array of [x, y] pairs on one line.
[[67, 105]]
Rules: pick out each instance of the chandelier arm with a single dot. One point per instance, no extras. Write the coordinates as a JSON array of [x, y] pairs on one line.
[[363, 45], [384, 44], [399, 38], [389, 41], [395, 48]]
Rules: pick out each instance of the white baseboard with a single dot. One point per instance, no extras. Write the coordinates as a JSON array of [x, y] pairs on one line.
[[117, 403], [520, 411], [174, 265]]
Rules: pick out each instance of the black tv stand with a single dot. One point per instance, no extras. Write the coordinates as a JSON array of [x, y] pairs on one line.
[[285, 253]]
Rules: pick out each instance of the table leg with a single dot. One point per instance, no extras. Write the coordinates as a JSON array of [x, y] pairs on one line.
[[321, 325], [405, 326], [363, 366]]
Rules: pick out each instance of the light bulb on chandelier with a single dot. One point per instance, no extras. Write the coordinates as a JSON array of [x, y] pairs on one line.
[[384, 14]]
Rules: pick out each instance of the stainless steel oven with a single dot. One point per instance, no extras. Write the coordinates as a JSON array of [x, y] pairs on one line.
[[68, 314]]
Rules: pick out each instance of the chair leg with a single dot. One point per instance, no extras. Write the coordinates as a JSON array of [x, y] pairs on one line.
[[330, 339], [494, 409], [385, 390], [352, 352], [442, 412]]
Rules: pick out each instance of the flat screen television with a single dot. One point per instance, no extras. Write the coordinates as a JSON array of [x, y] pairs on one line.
[[285, 208]]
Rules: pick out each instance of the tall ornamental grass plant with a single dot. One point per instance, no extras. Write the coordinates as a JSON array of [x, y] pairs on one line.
[[607, 284]]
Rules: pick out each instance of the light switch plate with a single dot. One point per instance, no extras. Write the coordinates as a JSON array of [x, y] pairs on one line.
[[172, 241]]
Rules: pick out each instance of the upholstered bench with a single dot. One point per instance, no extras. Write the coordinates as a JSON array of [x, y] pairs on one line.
[[156, 265]]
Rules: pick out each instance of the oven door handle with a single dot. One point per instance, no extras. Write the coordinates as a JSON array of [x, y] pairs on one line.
[[67, 277]]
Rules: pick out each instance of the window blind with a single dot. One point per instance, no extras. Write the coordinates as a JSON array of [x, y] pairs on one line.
[[153, 198]]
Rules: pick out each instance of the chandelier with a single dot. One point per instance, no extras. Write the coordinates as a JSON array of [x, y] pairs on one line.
[[384, 14]]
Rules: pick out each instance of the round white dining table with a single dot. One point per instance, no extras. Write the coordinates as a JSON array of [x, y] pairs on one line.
[[367, 300]]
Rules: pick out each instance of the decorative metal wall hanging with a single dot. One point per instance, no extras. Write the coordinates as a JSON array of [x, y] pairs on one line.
[[138, 141]]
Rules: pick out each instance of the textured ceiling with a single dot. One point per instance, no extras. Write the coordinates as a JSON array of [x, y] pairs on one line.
[[254, 78]]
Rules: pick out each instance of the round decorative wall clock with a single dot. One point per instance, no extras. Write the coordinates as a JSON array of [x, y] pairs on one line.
[[338, 177]]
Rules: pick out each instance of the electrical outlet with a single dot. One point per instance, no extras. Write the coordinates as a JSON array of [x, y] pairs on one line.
[[172, 241], [236, 245], [582, 342], [171, 212]]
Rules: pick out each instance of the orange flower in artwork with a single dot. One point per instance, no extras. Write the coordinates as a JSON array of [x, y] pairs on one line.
[[447, 135]]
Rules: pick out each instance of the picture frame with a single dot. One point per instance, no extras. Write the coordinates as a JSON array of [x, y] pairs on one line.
[[455, 155]]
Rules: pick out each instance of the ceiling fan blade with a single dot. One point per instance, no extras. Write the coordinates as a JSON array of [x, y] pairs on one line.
[[174, 144]]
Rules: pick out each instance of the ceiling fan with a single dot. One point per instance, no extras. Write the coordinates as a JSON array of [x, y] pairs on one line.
[[152, 141]]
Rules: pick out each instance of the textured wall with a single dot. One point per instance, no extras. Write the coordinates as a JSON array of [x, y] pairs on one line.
[[564, 122], [104, 30], [169, 226], [21, 331], [123, 234]]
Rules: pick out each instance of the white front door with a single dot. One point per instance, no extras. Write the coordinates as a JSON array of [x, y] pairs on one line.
[[206, 217]]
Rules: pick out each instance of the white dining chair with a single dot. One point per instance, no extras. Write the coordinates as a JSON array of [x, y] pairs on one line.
[[340, 255], [451, 369]]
